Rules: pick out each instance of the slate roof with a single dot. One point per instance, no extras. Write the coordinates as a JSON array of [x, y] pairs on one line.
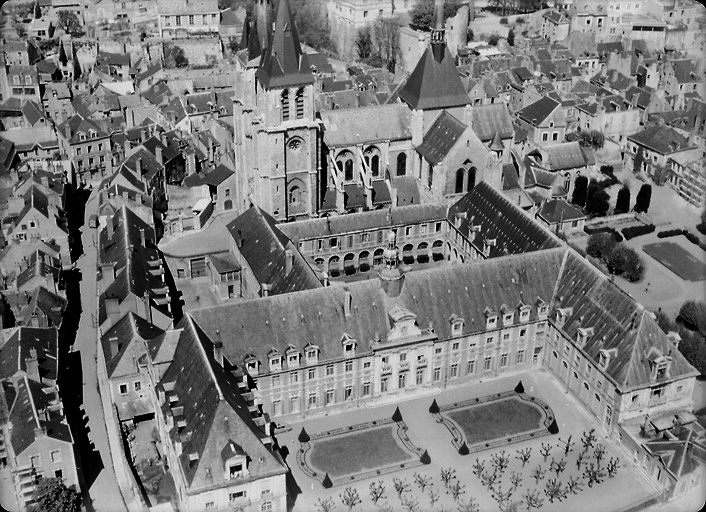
[[215, 415], [501, 220], [682, 454], [555, 17], [685, 71], [78, 124], [283, 64], [492, 119], [434, 82], [362, 221], [264, 248], [39, 264], [148, 163], [537, 112], [407, 190], [662, 139], [367, 124], [17, 348], [131, 333], [556, 211], [564, 155], [26, 419], [7, 155], [441, 138]]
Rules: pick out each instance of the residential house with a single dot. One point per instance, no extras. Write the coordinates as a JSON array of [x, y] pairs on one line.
[[649, 150], [561, 217], [544, 120], [187, 18], [687, 175], [88, 147], [555, 26]]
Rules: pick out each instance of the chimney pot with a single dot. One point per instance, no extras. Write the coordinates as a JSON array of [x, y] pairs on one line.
[[289, 261]]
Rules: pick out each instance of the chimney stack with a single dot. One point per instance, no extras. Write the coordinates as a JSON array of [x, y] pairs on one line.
[[109, 227], [32, 365], [142, 237], [114, 346], [158, 155], [148, 307], [347, 303], [112, 309], [265, 289], [288, 261], [218, 348], [67, 131], [138, 166]]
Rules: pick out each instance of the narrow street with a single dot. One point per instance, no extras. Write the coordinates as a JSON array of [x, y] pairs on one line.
[[82, 400]]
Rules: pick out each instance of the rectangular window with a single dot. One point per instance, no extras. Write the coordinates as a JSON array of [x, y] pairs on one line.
[[333, 242], [455, 345], [350, 240], [420, 376], [78, 151], [437, 374], [294, 377], [471, 368], [454, 370], [329, 369], [191, 19], [488, 362], [438, 227], [384, 383], [312, 399], [506, 336], [275, 381], [437, 350], [328, 397], [312, 373], [408, 230], [56, 456], [348, 393], [523, 333], [489, 339], [234, 496], [545, 136], [520, 356], [366, 364], [349, 366], [138, 385], [366, 388], [198, 267], [123, 389]]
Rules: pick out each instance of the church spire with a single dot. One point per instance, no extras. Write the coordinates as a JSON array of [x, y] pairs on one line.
[[283, 63]]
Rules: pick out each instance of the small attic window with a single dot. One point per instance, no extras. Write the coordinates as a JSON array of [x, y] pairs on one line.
[[252, 365], [275, 363], [508, 318], [491, 320], [456, 325], [349, 348], [312, 355], [82, 136], [582, 335], [293, 359], [525, 313]]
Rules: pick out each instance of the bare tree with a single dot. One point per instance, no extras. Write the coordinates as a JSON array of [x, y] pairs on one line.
[[500, 461], [594, 474], [579, 460], [567, 444], [350, 497], [599, 452], [384, 507], [422, 481], [401, 486], [524, 455], [488, 479], [557, 466], [533, 500], [613, 465], [447, 474], [456, 490], [588, 438], [377, 491], [545, 450], [538, 474], [325, 504], [385, 35], [515, 480], [469, 505], [574, 485], [433, 497], [410, 504], [554, 490], [478, 467]]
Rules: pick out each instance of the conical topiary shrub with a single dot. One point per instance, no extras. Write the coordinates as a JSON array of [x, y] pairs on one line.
[[397, 416], [463, 449], [425, 459], [303, 436], [434, 407], [327, 483], [553, 428], [519, 388]]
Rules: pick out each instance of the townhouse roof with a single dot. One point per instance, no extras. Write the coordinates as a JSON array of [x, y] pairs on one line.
[[39, 301], [149, 166], [685, 71], [26, 341], [7, 155], [283, 64], [77, 125], [441, 137], [344, 127], [662, 139], [564, 155], [39, 264], [124, 343], [158, 93], [32, 412], [434, 82], [557, 211], [489, 120], [354, 222], [537, 112], [264, 247], [555, 17], [113, 59], [215, 414]]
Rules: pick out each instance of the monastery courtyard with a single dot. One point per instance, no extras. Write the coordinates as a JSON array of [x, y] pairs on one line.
[[384, 449]]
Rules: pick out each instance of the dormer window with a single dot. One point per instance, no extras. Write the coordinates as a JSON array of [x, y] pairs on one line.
[[604, 357], [491, 319], [312, 355], [293, 359], [275, 363], [582, 335], [562, 315], [456, 325], [251, 365], [508, 315], [235, 470], [525, 313], [82, 136], [348, 345]]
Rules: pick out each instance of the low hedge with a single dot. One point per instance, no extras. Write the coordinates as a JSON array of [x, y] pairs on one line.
[[670, 233], [692, 237], [633, 231], [590, 230]]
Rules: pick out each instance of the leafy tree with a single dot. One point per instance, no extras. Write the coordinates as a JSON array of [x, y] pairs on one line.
[[597, 200], [400, 485], [625, 261], [422, 14], [175, 57], [364, 43], [643, 199], [470, 505], [591, 138], [503, 21], [233, 44], [637, 160], [702, 225], [502, 7], [312, 25], [693, 347], [692, 315], [385, 36], [511, 37], [68, 21], [51, 495], [622, 203], [493, 39], [580, 190]]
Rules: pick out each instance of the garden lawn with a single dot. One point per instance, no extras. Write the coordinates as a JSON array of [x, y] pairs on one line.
[[678, 260], [497, 419], [358, 452]]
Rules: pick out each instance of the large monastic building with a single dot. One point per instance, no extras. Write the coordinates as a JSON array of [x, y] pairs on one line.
[[295, 163]]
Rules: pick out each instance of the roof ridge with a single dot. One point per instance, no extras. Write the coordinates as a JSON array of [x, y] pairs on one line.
[[202, 350], [31, 401]]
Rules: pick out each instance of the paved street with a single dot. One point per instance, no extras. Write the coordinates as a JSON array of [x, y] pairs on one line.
[[98, 473]]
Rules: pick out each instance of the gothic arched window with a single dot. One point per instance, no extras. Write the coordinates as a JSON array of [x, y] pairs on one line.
[[401, 164], [460, 174], [285, 105]]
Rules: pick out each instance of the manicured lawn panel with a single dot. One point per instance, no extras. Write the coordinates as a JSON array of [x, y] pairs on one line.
[[497, 419], [358, 452], [677, 259]]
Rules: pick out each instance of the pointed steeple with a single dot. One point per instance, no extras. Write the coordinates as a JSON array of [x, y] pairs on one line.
[[250, 39], [283, 64], [497, 143], [63, 59]]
